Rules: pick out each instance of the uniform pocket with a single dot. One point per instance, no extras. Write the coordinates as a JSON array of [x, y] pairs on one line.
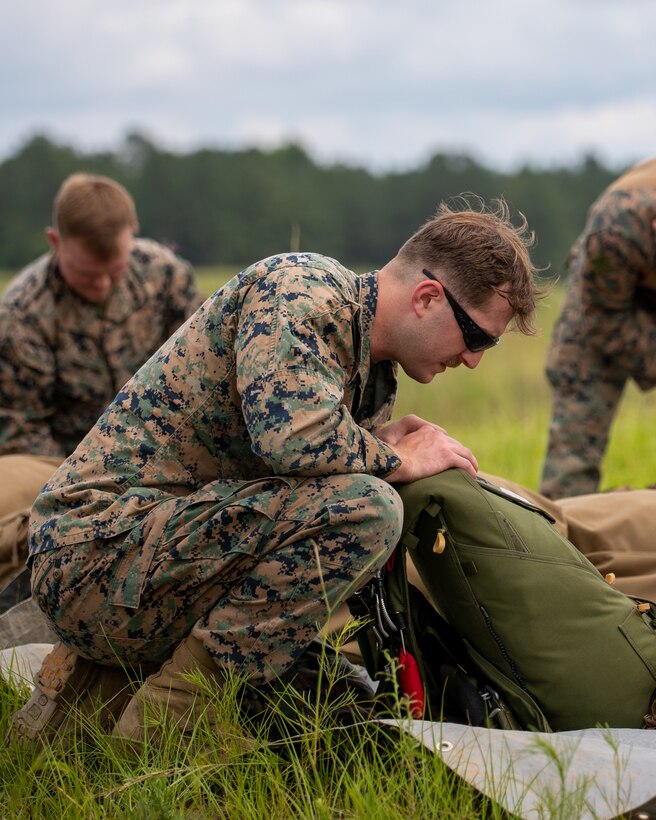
[[228, 515]]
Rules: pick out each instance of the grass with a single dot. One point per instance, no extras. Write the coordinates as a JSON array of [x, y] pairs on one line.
[[227, 768], [325, 772]]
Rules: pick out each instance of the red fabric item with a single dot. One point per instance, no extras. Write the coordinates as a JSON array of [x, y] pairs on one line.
[[411, 684]]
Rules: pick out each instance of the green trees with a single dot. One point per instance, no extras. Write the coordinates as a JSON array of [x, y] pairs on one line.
[[233, 207]]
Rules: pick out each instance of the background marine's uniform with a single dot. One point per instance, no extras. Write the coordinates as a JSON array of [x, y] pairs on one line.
[[606, 333], [62, 360]]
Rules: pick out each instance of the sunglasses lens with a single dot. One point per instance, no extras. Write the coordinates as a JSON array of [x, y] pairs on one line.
[[478, 341], [474, 336]]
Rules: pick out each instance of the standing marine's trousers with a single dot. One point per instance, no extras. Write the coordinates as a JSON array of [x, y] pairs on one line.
[[252, 569], [586, 389]]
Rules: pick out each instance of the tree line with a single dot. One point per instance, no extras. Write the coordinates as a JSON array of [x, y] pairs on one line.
[[220, 207]]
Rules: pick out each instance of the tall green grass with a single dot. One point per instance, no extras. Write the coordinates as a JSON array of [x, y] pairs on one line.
[[324, 771], [226, 766]]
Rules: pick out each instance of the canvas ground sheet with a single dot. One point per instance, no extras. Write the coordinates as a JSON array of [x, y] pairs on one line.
[[582, 774]]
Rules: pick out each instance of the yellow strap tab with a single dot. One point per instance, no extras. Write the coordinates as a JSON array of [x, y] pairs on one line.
[[440, 542]]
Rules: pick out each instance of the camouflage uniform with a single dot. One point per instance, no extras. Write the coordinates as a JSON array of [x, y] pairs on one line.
[[233, 489], [62, 360], [606, 333]]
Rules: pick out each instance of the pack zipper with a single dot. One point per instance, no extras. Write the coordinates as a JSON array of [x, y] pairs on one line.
[[502, 649]]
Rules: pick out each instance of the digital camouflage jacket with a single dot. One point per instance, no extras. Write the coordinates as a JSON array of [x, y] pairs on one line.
[[62, 360], [612, 272], [271, 376]]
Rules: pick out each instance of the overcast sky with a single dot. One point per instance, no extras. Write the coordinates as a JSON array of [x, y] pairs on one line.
[[382, 83]]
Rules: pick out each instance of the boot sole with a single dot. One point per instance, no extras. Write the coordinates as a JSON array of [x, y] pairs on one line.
[[66, 686]]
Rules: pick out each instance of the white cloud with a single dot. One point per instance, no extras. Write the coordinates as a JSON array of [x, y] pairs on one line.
[[375, 81]]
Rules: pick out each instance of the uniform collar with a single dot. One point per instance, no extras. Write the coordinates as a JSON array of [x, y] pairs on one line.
[[367, 290], [378, 381]]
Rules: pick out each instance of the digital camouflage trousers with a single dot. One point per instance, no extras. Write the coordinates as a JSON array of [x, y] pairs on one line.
[[586, 390], [252, 569]]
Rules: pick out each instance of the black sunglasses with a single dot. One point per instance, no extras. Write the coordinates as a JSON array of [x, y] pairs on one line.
[[475, 337]]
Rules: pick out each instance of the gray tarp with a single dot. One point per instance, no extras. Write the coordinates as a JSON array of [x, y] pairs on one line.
[[592, 773], [23, 662]]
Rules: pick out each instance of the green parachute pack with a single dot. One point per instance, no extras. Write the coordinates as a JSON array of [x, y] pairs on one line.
[[521, 631]]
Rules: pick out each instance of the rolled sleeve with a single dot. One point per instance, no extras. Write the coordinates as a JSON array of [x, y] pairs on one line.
[[297, 348]]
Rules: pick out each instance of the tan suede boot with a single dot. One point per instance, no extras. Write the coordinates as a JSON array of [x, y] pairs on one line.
[[168, 695], [67, 688]]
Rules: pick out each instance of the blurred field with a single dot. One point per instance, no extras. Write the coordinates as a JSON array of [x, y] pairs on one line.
[[501, 410], [210, 279]]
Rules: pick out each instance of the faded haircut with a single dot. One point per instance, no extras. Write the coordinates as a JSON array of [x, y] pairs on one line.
[[479, 251]]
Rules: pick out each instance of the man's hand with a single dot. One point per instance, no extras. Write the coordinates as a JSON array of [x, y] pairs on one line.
[[393, 433], [425, 449]]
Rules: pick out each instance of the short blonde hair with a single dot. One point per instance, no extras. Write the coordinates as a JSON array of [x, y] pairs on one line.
[[95, 209]]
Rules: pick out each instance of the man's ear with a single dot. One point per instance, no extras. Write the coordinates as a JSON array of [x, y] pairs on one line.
[[424, 294], [53, 239]]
